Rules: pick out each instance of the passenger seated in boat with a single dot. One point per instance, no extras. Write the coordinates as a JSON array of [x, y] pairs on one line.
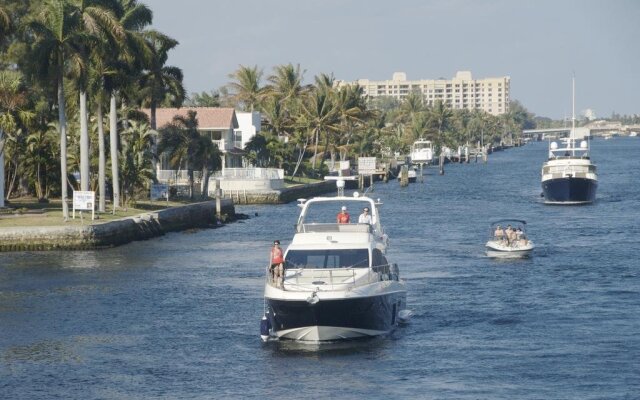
[[365, 217], [499, 233], [276, 268], [343, 216]]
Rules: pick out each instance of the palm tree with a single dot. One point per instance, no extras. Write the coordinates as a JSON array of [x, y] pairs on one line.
[[209, 158], [58, 45], [320, 117], [98, 24], [137, 157], [6, 24], [439, 120], [180, 140], [125, 62], [245, 87], [159, 82], [12, 100], [286, 84]]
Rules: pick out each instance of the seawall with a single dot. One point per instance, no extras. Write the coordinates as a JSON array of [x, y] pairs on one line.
[[282, 196], [114, 233]]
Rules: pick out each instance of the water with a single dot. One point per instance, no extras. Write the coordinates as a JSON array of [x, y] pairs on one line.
[[178, 317]]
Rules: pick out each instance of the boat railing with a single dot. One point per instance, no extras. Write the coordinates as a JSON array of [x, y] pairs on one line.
[[302, 279], [333, 227]]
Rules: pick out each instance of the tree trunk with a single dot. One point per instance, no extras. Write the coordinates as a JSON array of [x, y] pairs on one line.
[[84, 143], [204, 187], [190, 174], [315, 153], [113, 142], [63, 144], [154, 140], [102, 163], [1, 169]]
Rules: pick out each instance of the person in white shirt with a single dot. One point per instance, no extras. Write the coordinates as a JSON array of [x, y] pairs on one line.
[[365, 217]]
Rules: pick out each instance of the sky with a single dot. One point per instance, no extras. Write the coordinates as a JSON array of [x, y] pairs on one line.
[[540, 44]]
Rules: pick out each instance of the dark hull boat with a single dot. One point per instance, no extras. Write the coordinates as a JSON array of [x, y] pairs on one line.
[[569, 190], [568, 175], [337, 318], [337, 282]]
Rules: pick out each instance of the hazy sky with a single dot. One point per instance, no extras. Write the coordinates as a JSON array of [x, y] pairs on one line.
[[539, 44]]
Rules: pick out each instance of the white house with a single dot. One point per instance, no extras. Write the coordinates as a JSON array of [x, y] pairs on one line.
[[217, 123], [249, 125]]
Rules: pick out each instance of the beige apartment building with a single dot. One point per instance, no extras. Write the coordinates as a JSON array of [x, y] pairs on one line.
[[462, 91]]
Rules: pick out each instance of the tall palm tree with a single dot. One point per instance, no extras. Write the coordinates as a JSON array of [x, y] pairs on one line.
[[126, 61], [160, 82], [245, 87], [98, 24], [58, 40]]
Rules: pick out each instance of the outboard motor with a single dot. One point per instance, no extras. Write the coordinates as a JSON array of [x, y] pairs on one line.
[[265, 328]]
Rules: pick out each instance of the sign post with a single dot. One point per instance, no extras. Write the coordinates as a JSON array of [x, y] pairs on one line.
[[84, 201]]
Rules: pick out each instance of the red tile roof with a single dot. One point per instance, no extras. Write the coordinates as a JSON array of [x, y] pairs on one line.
[[208, 117]]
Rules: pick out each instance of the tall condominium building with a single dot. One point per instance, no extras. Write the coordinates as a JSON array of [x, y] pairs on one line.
[[462, 91]]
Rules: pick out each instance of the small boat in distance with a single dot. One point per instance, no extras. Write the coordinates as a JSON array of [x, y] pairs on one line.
[[508, 239], [422, 152], [568, 175], [338, 283]]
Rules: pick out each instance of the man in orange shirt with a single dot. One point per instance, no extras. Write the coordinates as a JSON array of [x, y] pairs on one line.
[[343, 216]]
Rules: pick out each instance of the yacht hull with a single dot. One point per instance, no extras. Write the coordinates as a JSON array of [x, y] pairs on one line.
[[569, 190], [336, 319]]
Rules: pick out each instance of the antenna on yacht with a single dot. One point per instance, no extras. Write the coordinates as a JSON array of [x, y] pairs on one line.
[[573, 114]]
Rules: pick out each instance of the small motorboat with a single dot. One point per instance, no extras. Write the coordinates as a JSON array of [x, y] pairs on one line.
[[508, 239]]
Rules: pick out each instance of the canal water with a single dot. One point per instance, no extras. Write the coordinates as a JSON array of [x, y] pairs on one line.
[[178, 316]]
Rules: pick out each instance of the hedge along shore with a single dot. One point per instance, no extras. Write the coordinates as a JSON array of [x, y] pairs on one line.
[[115, 233], [283, 196]]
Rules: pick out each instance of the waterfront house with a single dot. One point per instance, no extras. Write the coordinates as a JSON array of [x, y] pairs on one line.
[[230, 131], [217, 123]]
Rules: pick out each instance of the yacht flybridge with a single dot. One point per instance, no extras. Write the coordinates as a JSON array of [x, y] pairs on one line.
[[569, 176], [338, 283]]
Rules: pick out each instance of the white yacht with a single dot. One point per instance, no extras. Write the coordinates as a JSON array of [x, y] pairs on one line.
[[508, 239], [338, 283], [422, 152], [569, 176]]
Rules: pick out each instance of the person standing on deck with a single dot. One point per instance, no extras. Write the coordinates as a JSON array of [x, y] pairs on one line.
[[277, 260]]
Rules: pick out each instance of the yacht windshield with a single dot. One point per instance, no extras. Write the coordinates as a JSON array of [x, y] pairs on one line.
[[325, 212], [346, 258]]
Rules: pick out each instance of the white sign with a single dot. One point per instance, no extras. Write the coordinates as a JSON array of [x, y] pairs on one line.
[[84, 201], [366, 165], [159, 191]]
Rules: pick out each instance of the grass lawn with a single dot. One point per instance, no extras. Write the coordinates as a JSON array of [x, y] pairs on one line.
[[28, 212]]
